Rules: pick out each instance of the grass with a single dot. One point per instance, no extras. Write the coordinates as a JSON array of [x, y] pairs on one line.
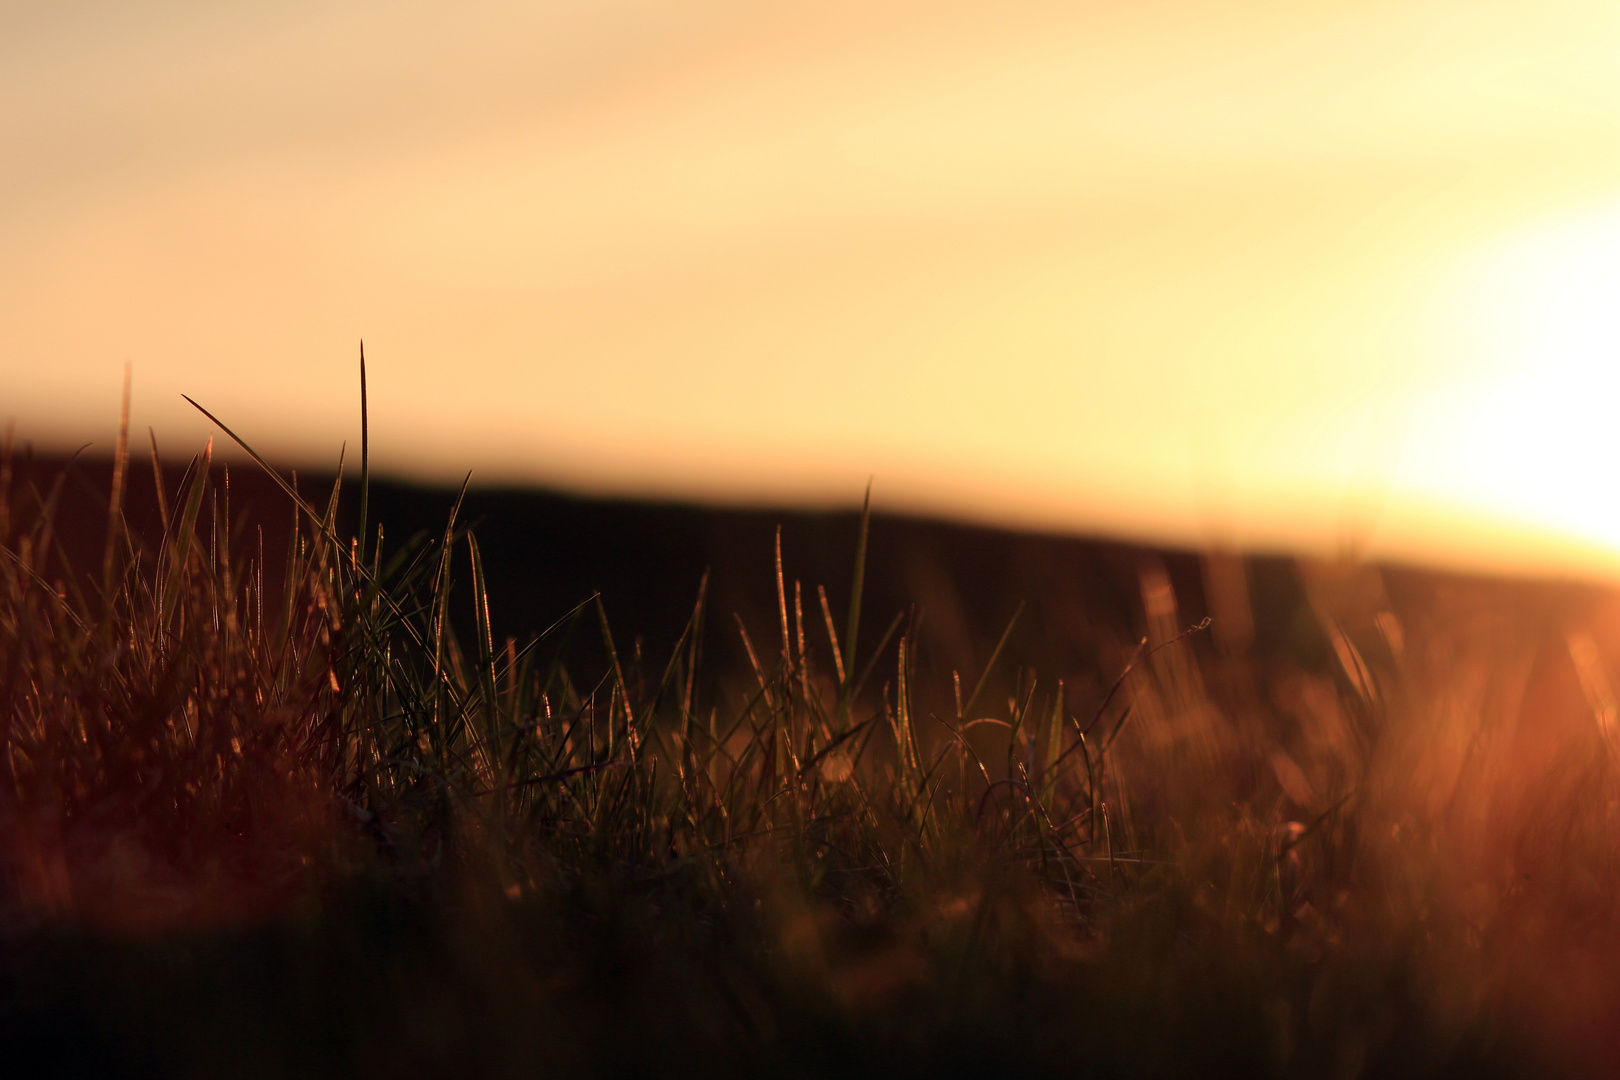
[[307, 831]]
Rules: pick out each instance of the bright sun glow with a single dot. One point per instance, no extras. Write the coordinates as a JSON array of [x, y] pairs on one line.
[[1197, 271], [1531, 434]]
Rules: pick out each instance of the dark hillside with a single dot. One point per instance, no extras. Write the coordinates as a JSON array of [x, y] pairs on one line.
[[1084, 601]]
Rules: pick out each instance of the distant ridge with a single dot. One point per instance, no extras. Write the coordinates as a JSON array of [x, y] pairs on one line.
[[1084, 601]]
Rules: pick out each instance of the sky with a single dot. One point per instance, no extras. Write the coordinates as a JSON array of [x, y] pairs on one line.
[[1331, 277]]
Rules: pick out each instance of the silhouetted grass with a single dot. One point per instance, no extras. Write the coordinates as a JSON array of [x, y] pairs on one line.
[[311, 832]]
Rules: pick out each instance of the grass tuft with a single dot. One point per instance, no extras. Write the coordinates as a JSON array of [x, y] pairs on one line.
[[319, 833]]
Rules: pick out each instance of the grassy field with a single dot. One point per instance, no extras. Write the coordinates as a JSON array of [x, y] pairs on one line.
[[307, 829]]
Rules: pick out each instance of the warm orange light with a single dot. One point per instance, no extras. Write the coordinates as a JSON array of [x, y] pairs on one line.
[[1528, 429], [1185, 270]]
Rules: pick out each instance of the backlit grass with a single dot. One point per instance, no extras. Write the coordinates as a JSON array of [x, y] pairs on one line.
[[308, 830]]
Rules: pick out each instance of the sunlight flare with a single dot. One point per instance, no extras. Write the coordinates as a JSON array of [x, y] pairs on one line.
[[1529, 430]]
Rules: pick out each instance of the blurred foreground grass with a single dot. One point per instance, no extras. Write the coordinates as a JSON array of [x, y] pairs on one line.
[[307, 831]]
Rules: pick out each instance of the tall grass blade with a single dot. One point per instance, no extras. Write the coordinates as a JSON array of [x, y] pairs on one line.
[[694, 645], [157, 483], [617, 673], [290, 489], [180, 546], [857, 584], [115, 501], [832, 635], [781, 601], [365, 457], [328, 521]]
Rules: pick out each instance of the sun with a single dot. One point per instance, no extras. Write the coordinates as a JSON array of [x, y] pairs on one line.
[[1526, 430]]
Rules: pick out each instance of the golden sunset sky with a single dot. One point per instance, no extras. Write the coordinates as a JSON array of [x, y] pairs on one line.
[[1314, 276]]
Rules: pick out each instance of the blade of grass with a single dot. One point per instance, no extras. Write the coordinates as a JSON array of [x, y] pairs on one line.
[[441, 613], [618, 679], [486, 652], [696, 625], [832, 634], [1142, 652], [995, 654], [329, 519], [877, 653], [115, 501], [365, 456], [180, 549], [781, 601], [856, 585], [291, 490], [1054, 744], [157, 483]]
